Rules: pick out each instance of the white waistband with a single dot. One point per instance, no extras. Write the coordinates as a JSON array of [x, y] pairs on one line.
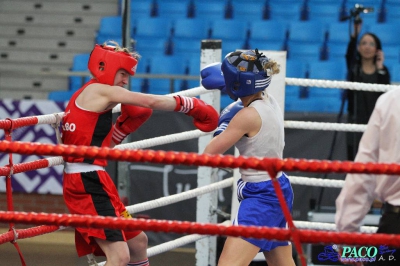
[[71, 168], [258, 178]]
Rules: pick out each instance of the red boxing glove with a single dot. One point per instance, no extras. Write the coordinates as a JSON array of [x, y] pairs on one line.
[[205, 116], [131, 118]]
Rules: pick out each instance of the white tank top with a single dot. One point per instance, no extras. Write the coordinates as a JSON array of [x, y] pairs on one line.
[[268, 142]]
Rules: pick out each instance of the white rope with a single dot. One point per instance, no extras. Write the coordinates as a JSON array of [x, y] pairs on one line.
[[163, 140], [329, 226], [179, 197], [316, 182], [177, 242], [337, 84], [325, 126]]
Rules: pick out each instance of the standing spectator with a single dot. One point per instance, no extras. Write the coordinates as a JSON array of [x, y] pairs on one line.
[[365, 63], [380, 143]]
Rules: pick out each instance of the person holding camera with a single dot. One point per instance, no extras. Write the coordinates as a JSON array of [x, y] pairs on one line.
[[365, 63]]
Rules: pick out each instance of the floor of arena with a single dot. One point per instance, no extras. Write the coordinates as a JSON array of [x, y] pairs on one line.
[[58, 248]]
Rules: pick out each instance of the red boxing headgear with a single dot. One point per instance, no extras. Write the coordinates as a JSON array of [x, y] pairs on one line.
[[105, 61]]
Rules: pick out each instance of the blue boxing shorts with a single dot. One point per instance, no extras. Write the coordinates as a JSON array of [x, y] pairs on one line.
[[259, 206]]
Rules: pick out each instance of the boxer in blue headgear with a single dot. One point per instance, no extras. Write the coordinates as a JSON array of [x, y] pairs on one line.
[[246, 73], [254, 125]]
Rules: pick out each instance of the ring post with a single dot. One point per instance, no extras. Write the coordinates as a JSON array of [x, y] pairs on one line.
[[206, 248]]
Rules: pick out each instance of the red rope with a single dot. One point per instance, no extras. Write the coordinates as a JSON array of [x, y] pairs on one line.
[[18, 122], [305, 236], [27, 233], [10, 206], [229, 161]]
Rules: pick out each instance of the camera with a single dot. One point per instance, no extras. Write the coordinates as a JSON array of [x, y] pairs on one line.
[[356, 11]]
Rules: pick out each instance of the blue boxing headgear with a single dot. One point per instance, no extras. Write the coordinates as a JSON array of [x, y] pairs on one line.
[[244, 73]]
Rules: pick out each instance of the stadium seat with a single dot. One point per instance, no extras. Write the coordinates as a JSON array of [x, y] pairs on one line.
[[304, 51], [395, 73], [392, 52], [109, 28], [324, 13], [268, 30], [306, 32], [266, 45], [326, 70], [232, 45], [336, 50], [193, 28], [173, 65], [338, 33], [186, 47], [286, 11], [60, 96], [294, 69], [79, 64], [152, 46], [212, 10], [173, 10], [152, 27], [141, 9], [229, 29], [248, 11], [386, 33]]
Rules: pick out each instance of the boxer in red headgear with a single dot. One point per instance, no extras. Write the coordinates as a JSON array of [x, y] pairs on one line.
[[87, 187]]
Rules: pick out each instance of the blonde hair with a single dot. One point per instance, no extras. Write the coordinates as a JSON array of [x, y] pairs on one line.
[[118, 48], [271, 67]]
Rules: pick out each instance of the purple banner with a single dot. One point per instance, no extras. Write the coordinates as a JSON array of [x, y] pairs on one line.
[[43, 181]]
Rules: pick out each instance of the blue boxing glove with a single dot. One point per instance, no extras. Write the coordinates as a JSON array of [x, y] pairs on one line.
[[226, 116], [212, 77]]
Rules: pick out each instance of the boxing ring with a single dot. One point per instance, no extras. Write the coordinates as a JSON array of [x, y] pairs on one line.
[[205, 229]]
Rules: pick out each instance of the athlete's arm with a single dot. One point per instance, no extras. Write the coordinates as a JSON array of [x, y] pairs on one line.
[[246, 122]]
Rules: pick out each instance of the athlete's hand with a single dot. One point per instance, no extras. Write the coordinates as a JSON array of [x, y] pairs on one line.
[[205, 116], [131, 118], [212, 77]]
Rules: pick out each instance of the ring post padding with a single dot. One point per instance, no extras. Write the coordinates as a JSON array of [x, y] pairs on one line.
[[206, 248]]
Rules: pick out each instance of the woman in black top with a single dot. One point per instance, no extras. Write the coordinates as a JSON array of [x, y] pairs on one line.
[[364, 64]]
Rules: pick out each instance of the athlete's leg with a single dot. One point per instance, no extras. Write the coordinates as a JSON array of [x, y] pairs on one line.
[[117, 253], [138, 248], [281, 255], [237, 252]]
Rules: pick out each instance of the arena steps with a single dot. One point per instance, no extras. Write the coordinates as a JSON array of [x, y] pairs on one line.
[[45, 36]]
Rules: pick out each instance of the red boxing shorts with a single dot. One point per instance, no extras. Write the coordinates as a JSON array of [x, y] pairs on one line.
[[94, 193]]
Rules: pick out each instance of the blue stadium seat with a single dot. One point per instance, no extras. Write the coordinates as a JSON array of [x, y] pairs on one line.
[[152, 27], [212, 10], [229, 29], [109, 28], [266, 45], [187, 47], [306, 32], [79, 64], [231, 46], [286, 11], [248, 11], [338, 33], [393, 12], [336, 50], [387, 33], [324, 13], [152, 46], [60, 96], [193, 28], [141, 9], [304, 51], [395, 73], [392, 52], [294, 69], [326, 70], [173, 65], [268, 30], [173, 10]]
